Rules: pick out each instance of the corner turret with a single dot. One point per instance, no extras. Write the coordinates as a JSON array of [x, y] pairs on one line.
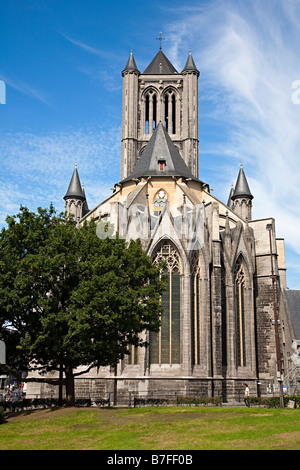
[[75, 200], [242, 197]]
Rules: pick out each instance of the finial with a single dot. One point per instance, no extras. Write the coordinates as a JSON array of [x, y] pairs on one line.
[[160, 39], [241, 164], [75, 164]]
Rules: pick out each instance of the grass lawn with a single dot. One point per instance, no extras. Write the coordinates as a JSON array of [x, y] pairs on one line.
[[152, 428]]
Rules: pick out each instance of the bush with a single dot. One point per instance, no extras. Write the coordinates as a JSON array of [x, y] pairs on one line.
[[102, 402], [274, 402], [196, 401]]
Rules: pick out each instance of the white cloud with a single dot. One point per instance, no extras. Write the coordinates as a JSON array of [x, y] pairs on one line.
[[247, 53], [38, 168], [86, 47], [25, 89]]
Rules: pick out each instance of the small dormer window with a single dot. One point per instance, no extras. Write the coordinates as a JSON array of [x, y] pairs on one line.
[[161, 164]]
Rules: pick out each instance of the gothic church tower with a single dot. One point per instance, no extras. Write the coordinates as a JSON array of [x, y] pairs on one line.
[[159, 94], [223, 269]]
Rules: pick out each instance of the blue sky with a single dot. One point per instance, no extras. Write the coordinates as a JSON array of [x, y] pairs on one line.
[[61, 62]]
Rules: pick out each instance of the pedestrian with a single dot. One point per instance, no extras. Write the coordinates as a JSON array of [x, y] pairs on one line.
[[246, 396]]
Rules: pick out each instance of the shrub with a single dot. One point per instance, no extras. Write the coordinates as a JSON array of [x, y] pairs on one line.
[[179, 400]]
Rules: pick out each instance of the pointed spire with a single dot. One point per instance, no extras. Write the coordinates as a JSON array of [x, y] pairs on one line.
[[241, 187], [160, 158], [227, 225], [229, 202], [160, 65], [190, 65], [85, 208], [227, 234], [131, 65], [75, 189]]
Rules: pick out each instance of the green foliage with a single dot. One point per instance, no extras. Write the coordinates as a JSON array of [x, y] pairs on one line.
[[274, 402], [165, 428], [37, 403], [178, 400], [69, 298]]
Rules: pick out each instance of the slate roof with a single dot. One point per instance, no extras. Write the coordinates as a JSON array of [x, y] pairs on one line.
[[241, 188], [229, 202], [160, 65], [190, 64], [160, 148], [131, 65], [75, 188]]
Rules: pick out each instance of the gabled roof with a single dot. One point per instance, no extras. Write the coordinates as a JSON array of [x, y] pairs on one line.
[[160, 65], [75, 188], [131, 65], [160, 148], [241, 187], [190, 65]]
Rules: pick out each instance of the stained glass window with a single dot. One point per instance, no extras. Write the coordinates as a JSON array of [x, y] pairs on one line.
[[165, 345], [239, 288], [195, 306], [160, 200]]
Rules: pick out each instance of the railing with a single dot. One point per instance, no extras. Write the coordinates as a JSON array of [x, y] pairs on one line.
[[134, 399]]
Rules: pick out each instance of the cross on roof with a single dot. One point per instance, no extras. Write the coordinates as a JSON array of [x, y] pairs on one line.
[[160, 39]]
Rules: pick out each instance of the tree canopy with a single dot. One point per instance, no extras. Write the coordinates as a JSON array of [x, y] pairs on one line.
[[69, 298]]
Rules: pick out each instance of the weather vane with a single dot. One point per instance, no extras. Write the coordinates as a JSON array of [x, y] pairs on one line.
[[160, 39]]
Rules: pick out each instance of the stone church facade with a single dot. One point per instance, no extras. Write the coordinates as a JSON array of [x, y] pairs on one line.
[[224, 270]]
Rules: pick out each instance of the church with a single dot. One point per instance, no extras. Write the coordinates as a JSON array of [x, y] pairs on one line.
[[220, 324]]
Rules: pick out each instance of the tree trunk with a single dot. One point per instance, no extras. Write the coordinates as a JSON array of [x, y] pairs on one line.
[[70, 386], [60, 387]]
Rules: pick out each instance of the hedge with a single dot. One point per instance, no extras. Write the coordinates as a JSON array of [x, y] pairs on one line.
[[28, 403], [216, 401], [274, 402]]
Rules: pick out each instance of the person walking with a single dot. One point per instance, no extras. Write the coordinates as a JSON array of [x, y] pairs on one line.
[[246, 396]]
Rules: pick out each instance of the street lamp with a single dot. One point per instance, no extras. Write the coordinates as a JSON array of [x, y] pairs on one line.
[[269, 227]]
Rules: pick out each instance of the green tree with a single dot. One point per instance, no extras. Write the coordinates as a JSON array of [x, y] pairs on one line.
[[77, 300]]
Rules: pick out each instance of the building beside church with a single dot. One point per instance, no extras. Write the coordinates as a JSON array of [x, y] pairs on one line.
[[225, 271]]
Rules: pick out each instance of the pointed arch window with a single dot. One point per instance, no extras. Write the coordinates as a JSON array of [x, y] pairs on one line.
[[170, 111], [239, 291], [165, 345], [224, 315], [195, 306], [160, 201], [150, 111]]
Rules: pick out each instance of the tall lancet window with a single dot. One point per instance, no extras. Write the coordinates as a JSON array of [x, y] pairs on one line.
[[239, 290], [150, 111], [170, 112], [195, 306], [224, 315], [165, 345]]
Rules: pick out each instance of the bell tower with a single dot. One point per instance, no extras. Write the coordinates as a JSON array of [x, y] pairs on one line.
[[160, 94]]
